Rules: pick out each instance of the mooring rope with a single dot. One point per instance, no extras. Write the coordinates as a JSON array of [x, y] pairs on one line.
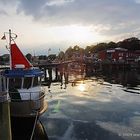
[[45, 133], [34, 126]]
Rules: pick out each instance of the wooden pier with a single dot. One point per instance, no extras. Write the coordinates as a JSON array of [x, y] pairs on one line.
[[60, 69]]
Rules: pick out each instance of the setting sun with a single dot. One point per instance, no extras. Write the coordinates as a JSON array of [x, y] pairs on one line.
[[78, 34]]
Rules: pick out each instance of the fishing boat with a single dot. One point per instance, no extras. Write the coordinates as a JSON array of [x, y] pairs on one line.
[[23, 87]]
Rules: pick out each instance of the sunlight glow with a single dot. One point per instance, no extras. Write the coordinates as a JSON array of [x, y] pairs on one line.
[[79, 34], [33, 35], [82, 87]]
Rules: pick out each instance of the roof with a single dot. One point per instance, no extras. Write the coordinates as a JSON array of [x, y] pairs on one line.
[[121, 49], [23, 73]]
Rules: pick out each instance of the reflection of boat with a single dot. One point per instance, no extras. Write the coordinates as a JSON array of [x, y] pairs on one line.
[[23, 85]]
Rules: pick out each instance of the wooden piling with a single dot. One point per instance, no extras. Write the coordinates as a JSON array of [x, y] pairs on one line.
[[5, 124], [45, 74]]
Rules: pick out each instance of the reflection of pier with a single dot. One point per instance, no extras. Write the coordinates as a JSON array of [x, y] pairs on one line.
[[61, 70], [109, 67]]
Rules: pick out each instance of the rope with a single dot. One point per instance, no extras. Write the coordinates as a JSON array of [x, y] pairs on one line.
[[34, 126], [45, 133]]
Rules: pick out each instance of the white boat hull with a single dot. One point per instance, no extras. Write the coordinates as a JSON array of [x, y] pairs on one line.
[[32, 102]]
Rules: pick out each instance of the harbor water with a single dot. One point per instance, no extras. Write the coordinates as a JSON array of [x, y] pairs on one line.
[[101, 107]]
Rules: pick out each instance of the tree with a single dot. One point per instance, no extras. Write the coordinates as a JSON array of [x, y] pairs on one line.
[[76, 48], [29, 57], [132, 43], [61, 55], [100, 47], [68, 53], [111, 45], [88, 49], [42, 57], [52, 57]]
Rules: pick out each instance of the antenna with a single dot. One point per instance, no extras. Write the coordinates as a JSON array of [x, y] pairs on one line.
[[10, 47], [12, 36]]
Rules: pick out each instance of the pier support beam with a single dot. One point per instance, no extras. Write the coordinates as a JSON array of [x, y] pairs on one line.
[[5, 124], [56, 73], [45, 74]]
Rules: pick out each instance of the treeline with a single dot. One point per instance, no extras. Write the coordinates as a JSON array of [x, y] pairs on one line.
[[132, 44]]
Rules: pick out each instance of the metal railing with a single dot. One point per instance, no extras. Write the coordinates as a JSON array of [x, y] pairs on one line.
[[28, 105], [25, 96]]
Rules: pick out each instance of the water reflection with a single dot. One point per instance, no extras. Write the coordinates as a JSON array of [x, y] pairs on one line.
[[102, 107], [81, 87], [126, 78]]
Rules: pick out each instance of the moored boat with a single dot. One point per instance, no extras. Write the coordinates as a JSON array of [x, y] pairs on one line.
[[23, 87]]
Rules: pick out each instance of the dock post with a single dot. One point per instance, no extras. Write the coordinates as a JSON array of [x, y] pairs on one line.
[[56, 73], [5, 123], [45, 74]]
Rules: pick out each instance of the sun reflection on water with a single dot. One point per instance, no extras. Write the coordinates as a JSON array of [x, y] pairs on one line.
[[82, 87]]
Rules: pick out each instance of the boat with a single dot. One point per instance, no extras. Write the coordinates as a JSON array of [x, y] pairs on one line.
[[22, 83]]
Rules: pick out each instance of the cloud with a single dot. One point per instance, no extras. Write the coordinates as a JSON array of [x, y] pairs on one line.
[[108, 17], [8, 2], [3, 13], [58, 2], [137, 1], [87, 11]]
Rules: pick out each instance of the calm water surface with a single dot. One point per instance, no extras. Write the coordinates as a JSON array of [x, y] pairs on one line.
[[96, 108]]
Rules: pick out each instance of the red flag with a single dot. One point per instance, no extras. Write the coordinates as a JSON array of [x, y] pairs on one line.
[[3, 38], [17, 57]]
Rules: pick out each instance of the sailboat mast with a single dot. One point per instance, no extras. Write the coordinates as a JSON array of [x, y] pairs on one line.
[[10, 48]]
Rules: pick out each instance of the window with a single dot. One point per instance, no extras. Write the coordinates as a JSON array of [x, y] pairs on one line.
[[36, 82], [120, 54], [109, 55], [15, 83], [27, 82]]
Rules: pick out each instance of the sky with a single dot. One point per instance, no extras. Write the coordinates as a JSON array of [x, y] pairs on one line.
[[59, 24]]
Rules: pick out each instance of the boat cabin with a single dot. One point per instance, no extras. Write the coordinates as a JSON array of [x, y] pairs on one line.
[[23, 79]]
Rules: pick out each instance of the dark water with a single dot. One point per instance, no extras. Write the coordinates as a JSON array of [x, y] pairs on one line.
[[22, 129], [102, 107]]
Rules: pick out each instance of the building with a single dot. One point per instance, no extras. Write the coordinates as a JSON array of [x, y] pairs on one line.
[[119, 55]]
